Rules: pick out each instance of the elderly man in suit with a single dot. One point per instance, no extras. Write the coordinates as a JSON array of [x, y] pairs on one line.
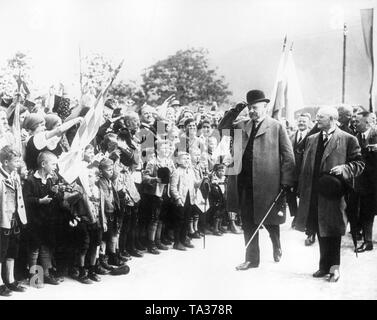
[[366, 184], [338, 153], [303, 122], [265, 165]]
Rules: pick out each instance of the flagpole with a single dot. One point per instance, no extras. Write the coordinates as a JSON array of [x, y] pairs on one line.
[[344, 62], [81, 88]]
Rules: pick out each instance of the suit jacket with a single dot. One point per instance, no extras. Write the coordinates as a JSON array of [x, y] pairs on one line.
[[150, 174], [5, 220], [298, 150], [273, 162], [183, 181], [366, 184], [341, 149]]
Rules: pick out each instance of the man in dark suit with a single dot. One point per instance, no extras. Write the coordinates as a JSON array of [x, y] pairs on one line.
[[337, 153], [345, 115], [303, 122], [265, 165], [366, 184]]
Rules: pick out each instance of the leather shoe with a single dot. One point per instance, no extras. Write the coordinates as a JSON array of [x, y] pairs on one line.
[[179, 246], [4, 291], [320, 274], [246, 265], [277, 254], [136, 253], [153, 250], [51, 280], [334, 277], [16, 287], [160, 246], [366, 246], [310, 240], [188, 244]]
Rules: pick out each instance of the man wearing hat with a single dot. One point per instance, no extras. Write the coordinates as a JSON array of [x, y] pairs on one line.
[[322, 205], [267, 164]]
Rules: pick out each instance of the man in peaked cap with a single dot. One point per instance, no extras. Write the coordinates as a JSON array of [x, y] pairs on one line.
[[267, 165]]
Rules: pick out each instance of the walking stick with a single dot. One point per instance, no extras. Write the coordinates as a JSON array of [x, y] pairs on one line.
[[264, 218], [204, 234], [205, 189]]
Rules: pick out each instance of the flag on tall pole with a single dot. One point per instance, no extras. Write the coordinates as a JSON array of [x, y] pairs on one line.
[[277, 92], [286, 96], [369, 27], [69, 162]]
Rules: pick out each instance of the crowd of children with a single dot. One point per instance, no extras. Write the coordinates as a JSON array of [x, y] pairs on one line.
[[141, 189]]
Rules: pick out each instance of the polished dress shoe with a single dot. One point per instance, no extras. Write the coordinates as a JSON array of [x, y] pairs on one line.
[[246, 265], [310, 240], [320, 274], [366, 246], [277, 254]]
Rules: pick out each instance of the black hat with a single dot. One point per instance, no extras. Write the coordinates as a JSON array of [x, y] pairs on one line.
[[254, 96], [163, 174], [331, 187]]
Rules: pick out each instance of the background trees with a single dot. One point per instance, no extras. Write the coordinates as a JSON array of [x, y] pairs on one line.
[[186, 74]]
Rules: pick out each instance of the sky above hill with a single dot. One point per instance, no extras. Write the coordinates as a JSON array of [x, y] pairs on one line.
[[145, 31]]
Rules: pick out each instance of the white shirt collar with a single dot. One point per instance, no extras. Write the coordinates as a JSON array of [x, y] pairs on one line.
[[4, 172], [38, 176], [366, 133]]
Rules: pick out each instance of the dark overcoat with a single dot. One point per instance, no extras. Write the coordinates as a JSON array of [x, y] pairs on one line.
[[273, 162], [342, 149]]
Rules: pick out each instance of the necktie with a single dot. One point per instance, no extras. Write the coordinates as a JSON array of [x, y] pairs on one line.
[[325, 138], [254, 128], [299, 137], [363, 139]]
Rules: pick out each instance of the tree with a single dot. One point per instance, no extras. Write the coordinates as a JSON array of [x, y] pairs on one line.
[[187, 75], [96, 71], [17, 68], [124, 92]]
